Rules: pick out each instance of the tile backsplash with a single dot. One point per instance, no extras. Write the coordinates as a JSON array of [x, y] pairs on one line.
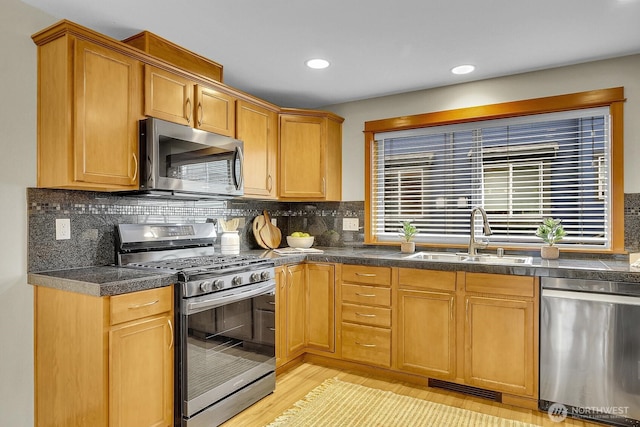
[[94, 216]]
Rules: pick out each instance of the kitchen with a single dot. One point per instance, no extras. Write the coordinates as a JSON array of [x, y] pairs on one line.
[[19, 166]]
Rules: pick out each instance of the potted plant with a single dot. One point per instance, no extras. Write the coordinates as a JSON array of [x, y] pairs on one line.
[[551, 232], [408, 231]]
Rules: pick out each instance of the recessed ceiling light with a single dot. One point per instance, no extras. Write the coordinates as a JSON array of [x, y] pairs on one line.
[[463, 69], [317, 63]]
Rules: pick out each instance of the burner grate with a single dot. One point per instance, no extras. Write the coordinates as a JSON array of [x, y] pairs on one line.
[[203, 263]]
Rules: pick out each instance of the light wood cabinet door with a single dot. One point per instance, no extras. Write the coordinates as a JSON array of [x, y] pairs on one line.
[[107, 88], [141, 373], [257, 127], [426, 331], [120, 373], [168, 96], [320, 321], [89, 104], [296, 310], [215, 111], [281, 315], [499, 344], [303, 157]]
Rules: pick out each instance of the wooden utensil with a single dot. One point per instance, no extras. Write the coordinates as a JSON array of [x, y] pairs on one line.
[[258, 224], [270, 234], [265, 232]]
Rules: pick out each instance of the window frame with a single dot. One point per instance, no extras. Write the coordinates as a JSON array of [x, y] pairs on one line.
[[613, 98]]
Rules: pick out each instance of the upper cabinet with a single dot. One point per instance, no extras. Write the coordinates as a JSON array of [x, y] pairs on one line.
[[89, 104], [257, 127], [175, 55], [93, 91], [170, 96], [310, 154]]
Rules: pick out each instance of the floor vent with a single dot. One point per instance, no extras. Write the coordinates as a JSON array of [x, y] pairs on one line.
[[466, 389]]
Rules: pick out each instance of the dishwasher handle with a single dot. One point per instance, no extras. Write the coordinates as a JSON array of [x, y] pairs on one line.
[[590, 296]]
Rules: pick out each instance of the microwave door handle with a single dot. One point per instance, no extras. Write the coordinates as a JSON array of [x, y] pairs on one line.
[[237, 174]]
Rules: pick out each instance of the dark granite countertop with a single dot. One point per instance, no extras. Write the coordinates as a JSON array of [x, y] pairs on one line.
[[101, 281], [113, 280]]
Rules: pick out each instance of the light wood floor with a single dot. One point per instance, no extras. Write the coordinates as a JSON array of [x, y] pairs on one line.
[[294, 384]]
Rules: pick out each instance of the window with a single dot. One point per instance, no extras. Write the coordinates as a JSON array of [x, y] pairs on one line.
[[521, 169]]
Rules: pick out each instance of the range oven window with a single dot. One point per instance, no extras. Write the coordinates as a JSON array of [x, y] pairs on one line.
[[227, 348]]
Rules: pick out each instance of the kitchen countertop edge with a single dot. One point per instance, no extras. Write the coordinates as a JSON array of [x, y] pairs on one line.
[[114, 280]]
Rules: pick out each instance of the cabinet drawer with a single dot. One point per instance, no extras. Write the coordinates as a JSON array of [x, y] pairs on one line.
[[374, 316], [366, 274], [141, 304], [366, 344], [500, 284], [427, 279], [361, 294]]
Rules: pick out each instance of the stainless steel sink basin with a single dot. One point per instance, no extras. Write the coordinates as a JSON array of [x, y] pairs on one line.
[[464, 257], [495, 259], [434, 256]]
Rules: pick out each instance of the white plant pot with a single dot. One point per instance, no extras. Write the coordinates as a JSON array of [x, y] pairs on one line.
[[549, 252], [408, 247]]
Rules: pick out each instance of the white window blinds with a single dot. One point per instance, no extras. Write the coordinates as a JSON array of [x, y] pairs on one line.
[[519, 169]]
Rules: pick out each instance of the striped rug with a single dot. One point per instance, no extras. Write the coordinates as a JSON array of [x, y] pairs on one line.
[[337, 403]]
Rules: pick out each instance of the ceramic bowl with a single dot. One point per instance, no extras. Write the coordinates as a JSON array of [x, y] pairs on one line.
[[300, 242]]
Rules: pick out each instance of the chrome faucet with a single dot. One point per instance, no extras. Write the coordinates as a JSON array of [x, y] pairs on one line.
[[474, 244]]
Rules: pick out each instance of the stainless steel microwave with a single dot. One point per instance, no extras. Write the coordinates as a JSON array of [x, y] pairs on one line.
[[181, 161]]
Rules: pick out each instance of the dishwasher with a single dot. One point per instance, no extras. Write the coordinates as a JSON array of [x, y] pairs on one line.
[[590, 350]]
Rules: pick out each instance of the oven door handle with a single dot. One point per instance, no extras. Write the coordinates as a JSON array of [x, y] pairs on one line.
[[223, 298]]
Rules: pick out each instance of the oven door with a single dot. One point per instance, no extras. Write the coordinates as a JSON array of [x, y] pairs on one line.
[[227, 343]]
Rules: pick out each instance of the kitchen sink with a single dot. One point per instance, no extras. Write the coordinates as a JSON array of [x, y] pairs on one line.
[[434, 256], [464, 257]]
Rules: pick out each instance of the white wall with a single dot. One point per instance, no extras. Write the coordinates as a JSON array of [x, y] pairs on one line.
[[17, 172], [577, 78]]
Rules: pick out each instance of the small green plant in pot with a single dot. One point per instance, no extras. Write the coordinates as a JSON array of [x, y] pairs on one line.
[[551, 232], [407, 234]]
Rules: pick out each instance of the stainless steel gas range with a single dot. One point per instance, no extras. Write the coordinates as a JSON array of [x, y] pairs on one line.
[[225, 316]]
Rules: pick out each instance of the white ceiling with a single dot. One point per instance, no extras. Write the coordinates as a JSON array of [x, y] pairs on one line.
[[376, 47]]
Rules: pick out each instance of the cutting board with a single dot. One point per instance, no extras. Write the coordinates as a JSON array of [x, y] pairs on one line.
[[258, 224], [270, 234]]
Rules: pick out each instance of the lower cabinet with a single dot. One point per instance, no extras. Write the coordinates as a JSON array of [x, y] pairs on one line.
[[366, 314], [321, 313], [471, 329], [474, 329], [104, 361], [501, 333], [426, 323], [305, 310]]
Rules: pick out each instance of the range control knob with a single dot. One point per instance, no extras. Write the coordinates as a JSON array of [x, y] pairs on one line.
[[236, 281], [206, 286], [218, 284], [265, 275], [255, 277]]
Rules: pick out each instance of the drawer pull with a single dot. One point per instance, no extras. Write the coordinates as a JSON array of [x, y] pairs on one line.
[[365, 315], [366, 274], [171, 332], [146, 304], [365, 295], [272, 329], [365, 345], [272, 302]]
